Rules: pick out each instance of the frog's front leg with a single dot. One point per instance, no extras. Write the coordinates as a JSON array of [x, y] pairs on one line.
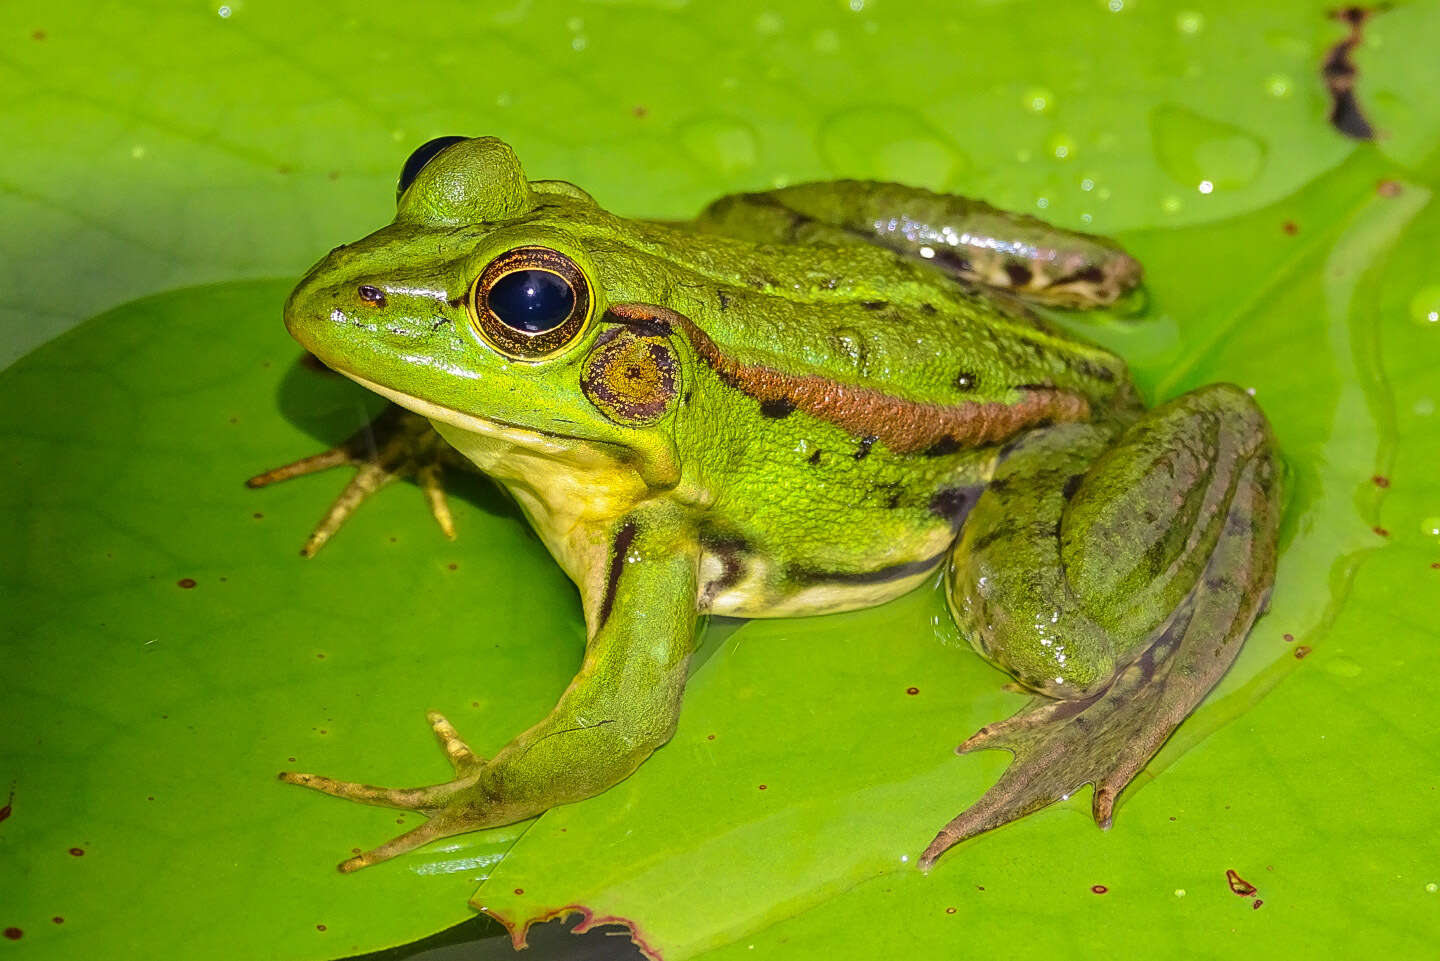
[[396, 443], [1119, 581], [621, 705], [962, 236]]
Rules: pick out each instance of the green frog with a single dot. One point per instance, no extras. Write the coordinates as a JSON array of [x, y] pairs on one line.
[[805, 400]]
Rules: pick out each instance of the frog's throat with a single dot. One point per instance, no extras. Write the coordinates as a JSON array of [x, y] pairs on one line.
[[582, 451], [904, 426]]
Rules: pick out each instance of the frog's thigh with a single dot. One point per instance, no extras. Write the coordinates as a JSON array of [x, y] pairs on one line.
[[1166, 548], [1082, 549]]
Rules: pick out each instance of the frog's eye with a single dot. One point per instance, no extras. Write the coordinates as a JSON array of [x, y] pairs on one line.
[[416, 162], [530, 302]]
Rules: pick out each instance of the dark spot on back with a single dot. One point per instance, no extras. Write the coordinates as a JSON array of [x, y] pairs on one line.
[[814, 458], [953, 504], [1072, 484], [943, 446], [777, 407], [874, 304], [865, 444], [723, 298], [371, 295], [965, 380]]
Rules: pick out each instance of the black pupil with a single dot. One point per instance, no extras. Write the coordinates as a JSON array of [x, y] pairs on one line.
[[416, 162], [532, 301]]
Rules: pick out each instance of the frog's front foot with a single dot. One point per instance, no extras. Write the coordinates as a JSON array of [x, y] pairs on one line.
[[450, 808], [1154, 553], [397, 443]]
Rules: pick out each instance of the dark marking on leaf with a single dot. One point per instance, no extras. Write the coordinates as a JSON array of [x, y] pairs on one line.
[[874, 304], [814, 457], [1339, 73], [1302, 652], [1072, 485], [1238, 884], [723, 298]]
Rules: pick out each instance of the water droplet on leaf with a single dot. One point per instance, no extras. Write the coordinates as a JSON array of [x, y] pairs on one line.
[[1192, 148]]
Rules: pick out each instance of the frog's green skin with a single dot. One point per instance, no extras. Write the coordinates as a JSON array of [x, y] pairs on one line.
[[807, 401]]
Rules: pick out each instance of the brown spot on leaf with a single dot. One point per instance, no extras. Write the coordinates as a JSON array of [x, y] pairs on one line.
[[1238, 884], [1380, 480], [14, 934], [186, 582], [319, 927], [1339, 73], [1380, 530], [1099, 888], [763, 787], [949, 910], [38, 35], [77, 852], [912, 690], [640, 110], [1388, 188], [1302, 652], [1289, 638], [519, 890], [57, 920], [1290, 227], [1257, 904]]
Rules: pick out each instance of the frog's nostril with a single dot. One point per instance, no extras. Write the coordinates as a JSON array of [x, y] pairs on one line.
[[371, 295]]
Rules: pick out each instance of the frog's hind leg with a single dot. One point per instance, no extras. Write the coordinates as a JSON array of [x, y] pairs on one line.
[[966, 238], [1165, 547]]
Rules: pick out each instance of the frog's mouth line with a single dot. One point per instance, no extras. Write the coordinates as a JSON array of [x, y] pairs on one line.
[[550, 443]]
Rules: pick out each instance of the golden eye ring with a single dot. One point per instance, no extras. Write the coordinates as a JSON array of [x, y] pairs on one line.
[[530, 303]]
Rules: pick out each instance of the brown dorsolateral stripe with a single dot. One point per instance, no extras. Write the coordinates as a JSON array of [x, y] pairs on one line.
[[904, 426]]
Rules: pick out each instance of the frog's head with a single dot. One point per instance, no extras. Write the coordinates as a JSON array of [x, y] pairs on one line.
[[479, 309]]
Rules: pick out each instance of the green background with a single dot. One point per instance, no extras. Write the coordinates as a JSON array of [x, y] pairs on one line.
[[153, 147]]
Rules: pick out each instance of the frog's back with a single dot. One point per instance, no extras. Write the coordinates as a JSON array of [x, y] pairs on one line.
[[857, 314]]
